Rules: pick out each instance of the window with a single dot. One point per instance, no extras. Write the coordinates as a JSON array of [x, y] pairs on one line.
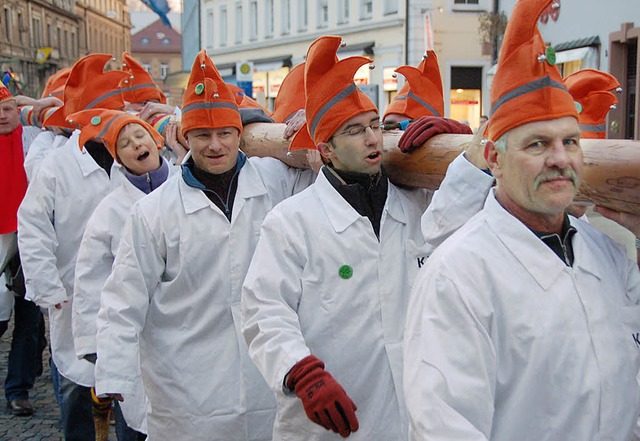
[[66, 43], [390, 7], [343, 11], [73, 45], [147, 67], [59, 40], [7, 23], [144, 40], [268, 18], [303, 15], [253, 20], [37, 32], [223, 26], [469, 5], [209, 28], [164, 70], [238, 22], [21, 28], [323, 13], [286, 16], [366, 9], [49, 35]]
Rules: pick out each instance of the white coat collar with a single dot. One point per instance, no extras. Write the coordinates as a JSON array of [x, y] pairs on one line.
[[84, 159], [533, 254], [249, 185], [341, 214]]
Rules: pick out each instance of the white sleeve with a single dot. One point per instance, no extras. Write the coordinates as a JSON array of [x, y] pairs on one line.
[[270, 297], [37, 242], [461, 195], [449, 370], [38, 149], [137, 271], [93, 267]]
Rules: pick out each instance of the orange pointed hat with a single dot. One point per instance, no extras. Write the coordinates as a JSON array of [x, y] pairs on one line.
[[290, 97], [527, 87], [421, 95], [139, 87], [104, 125], [591, 91], [88, 87], [332, 97], [5, 94], [55, 83], [208, 102], [243, 101]]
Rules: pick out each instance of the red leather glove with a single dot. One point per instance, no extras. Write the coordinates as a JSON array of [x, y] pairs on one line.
[[422, 129], [324, 400]]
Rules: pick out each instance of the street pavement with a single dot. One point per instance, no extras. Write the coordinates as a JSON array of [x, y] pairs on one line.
[[44, 425]]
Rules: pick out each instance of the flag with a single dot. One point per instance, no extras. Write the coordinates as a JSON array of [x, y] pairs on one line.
[[42, 54], [160, 7]]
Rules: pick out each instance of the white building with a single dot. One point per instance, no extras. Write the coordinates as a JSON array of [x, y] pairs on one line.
[[271, 36]]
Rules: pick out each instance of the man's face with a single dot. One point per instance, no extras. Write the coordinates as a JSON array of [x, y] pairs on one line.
[[9, 117], [137, 150], [357, 145], [540, 171], [214, 150]]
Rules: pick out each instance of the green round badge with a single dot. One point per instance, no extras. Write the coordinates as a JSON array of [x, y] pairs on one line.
[[199, 88], [345, 272], [96, 120], [578, 106], [550, 53]]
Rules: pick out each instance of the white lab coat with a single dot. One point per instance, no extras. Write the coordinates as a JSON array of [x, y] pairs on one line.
[[295, 302], [505, 342], [45, 142], [173, 302], [51, 220]]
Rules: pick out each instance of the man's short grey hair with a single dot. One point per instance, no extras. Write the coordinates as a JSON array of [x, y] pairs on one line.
[[501, 143]]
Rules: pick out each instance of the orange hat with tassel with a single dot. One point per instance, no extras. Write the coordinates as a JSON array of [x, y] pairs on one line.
[[421, 95], [244, 101], [208, 102], [88, 87], [331, 95], [591, 90], [55, 83], [5, 94], [104, 125], [290, 97], [139, 86], [527, 87]]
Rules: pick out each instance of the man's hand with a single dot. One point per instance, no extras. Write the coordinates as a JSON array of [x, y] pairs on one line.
[[150, 109], [294, 123], [325, 402], [423, 129]]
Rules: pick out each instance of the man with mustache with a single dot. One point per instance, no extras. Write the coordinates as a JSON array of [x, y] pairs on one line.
[[524, 325]]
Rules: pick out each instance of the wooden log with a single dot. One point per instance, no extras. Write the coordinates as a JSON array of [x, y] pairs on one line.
[[611, 174]]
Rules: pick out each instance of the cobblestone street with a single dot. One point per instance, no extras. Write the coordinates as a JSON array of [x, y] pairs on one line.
[[44, 425]]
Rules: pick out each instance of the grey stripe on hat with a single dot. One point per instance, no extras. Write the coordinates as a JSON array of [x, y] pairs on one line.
[[140, 86], [106, 127], [399, 98], [332, 102], [101, 98], [534, 85], [216, 105], [423, 103], [593, 127]]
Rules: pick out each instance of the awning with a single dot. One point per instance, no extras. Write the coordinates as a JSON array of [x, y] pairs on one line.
[[573, 54], [358, 49], [271, 63], [177, 79]]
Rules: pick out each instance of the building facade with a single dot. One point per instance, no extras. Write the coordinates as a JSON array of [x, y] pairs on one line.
[[271, 36], [39, 37], [158, 48]]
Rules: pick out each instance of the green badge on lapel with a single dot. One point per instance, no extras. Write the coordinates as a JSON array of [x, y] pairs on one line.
[[345, 272]]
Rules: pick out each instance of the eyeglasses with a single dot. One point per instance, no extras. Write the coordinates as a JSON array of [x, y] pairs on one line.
[[359, 129]]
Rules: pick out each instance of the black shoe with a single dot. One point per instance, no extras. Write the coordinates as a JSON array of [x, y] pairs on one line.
[[20, 407]]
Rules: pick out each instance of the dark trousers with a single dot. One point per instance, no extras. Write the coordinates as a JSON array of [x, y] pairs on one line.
[[26, 348]]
